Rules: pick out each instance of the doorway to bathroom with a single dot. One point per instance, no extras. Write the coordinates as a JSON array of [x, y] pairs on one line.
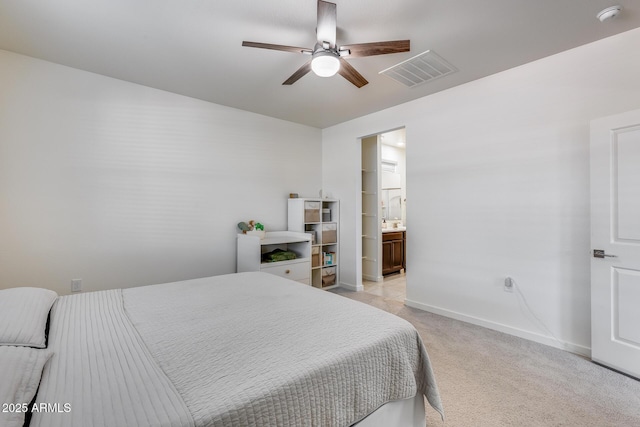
[[384, 222]]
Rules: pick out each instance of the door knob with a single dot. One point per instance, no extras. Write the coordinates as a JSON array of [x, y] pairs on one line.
[[599, 253]]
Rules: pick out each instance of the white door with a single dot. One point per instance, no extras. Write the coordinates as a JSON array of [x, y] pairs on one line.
[[615, 230]]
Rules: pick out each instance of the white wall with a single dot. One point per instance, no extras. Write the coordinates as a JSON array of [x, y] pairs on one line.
[[498, 184], [122, 185]]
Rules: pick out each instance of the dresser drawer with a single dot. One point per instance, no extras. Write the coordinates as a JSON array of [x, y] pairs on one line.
[[391, 235], [299, 271]]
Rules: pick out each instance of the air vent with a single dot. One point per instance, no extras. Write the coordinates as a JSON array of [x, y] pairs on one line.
[[422, 68]]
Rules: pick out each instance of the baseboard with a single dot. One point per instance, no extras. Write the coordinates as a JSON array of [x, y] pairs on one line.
[[349, 286], [531, 336]]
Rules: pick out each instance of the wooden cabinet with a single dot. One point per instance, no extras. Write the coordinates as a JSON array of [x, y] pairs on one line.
[[250, 250], [393, 252], [319, 218]]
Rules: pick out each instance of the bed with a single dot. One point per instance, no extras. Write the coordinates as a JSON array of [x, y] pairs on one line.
[[247, 349]]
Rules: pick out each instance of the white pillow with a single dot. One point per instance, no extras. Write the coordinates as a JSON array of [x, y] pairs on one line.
[[23, 316], [19, 379]]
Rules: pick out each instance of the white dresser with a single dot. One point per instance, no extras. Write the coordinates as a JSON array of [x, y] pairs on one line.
[[250, 249]]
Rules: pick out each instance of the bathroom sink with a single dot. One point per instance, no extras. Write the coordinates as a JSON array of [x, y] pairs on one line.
[[390, 229]]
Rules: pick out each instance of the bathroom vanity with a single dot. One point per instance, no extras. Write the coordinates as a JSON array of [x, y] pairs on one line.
[[394, 250]]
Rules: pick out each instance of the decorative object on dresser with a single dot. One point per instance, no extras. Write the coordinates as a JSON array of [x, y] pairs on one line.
[[252, 228], [319, 218], [274, 254]]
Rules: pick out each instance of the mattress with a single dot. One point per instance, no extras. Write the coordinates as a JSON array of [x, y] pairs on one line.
[[248, 349]]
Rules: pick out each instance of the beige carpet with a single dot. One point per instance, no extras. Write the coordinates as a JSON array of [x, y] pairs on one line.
[[487, 378]]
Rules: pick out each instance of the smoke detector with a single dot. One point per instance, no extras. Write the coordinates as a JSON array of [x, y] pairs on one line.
[[608, 13]]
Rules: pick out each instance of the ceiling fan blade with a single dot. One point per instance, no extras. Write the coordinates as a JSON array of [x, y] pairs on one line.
[[348, 72], [298, 74], [276, 47], [326, 29], [378, 48]]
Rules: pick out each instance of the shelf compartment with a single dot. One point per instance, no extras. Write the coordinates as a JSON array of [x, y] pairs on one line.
[[315, 257], [316, 277], [329, 258], [250, 250]]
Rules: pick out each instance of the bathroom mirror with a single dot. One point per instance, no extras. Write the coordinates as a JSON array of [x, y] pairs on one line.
[[391, 203]]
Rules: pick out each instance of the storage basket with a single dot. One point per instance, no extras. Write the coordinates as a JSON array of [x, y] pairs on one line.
[[328, 276], [311, 211], [328, 280], [329, 233]]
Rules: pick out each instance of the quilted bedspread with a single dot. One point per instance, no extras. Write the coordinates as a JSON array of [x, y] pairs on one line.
[[247, 349]]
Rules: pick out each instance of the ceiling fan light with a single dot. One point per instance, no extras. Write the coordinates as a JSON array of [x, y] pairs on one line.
[[325, 64]]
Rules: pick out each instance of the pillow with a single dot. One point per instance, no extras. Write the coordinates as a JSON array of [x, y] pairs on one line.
[[19, 380], [23, 316]]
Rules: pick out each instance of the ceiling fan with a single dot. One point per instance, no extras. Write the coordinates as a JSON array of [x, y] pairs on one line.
[[327, 58]]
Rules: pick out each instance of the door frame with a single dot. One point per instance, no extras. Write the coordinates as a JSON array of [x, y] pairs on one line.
[[371, 260], [359, 210]]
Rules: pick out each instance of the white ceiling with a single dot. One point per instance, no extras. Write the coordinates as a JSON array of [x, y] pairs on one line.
[[193, 47]]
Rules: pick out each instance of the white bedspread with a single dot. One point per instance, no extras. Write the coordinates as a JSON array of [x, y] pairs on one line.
[[254, 349], [247, 349], [101, 368]]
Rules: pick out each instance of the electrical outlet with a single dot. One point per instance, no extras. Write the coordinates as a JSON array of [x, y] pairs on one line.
[[76, 285], [509, 284]]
